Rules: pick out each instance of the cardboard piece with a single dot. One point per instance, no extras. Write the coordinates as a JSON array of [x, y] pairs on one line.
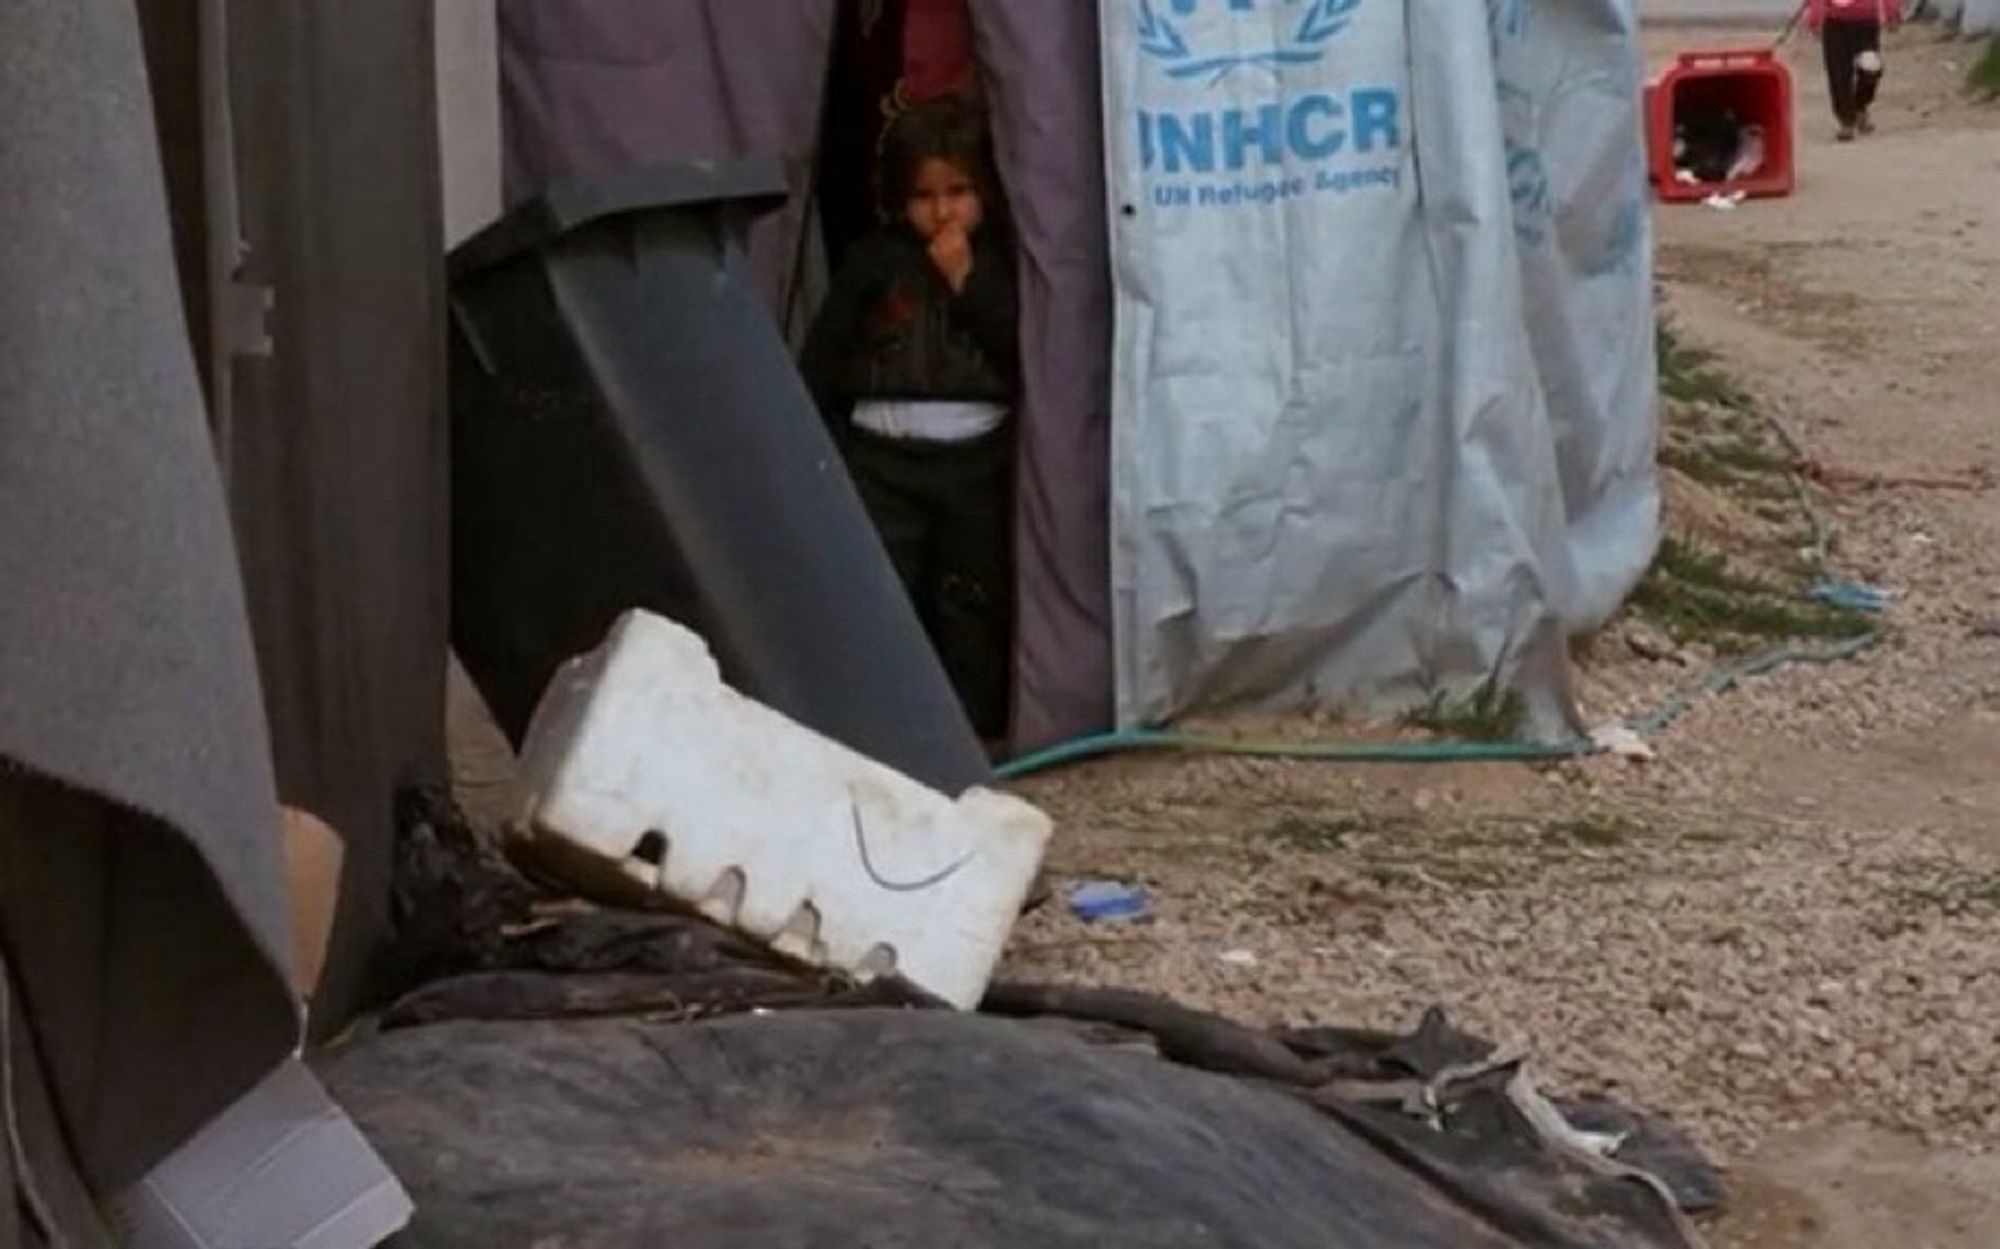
[[313, 857], [284, 1168]]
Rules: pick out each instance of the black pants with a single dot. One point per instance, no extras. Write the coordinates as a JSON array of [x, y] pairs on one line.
[[945, 513], [1852, 87]]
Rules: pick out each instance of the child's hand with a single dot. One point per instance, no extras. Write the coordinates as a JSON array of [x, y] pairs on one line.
[[951, 252]]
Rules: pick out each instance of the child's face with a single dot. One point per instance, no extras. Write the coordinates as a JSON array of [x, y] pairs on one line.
[[942, 197]]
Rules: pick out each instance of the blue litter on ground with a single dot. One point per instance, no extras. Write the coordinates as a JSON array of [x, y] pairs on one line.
[[1852, 596], [1101, 900]]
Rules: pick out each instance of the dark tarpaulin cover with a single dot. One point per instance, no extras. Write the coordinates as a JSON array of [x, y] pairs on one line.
[[141, 901], [333, 431], [672, 1083], [617, 84], [908, 1129]]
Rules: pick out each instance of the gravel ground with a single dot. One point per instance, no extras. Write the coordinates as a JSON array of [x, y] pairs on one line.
[[1744, 975], [1792, 918]]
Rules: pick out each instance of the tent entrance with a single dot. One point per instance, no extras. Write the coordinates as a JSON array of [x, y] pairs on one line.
[[931, 506], [593, 90]]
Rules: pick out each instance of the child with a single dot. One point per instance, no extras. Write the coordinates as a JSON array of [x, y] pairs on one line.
[[913, 361], [1850, 32]]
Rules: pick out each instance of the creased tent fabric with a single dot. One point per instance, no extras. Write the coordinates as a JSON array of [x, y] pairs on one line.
[[1041, 66], [612, 85], [1570, 104], [325, 346], [1335, 471], [141, 900], [603, 87]]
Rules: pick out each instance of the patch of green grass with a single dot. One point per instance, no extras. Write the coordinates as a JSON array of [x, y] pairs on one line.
[[1597, 832], [1489, 714], [1696, 596], [1952, 892], [1983, 79], [1318, 836], [1702, 837], [1746, 455], [1688, 375], [1708, 570], [1735, 465]]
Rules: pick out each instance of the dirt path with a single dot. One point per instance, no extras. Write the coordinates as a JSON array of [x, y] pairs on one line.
[[1866, 311]]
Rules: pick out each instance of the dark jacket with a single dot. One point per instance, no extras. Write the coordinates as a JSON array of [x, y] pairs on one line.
[[892, 328]]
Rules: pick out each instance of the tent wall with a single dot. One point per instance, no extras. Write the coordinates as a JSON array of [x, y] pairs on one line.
[[310, 132], [1570, 103], [1041, 68], [619, 85], [610, 85], [468, 82]]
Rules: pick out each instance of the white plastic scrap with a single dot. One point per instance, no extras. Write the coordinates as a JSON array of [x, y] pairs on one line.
[[1623, 742], [643, 773]]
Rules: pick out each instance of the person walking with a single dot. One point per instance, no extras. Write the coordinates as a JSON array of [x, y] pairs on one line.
[[1850, 33]]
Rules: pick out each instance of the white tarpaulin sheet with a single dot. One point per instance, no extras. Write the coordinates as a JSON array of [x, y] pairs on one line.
[[1382, 423]]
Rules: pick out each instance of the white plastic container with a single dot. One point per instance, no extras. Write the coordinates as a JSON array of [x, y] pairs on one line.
[[643, 772]]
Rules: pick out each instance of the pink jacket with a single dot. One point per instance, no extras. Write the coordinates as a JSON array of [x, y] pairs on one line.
[[937, 49], [1820, 12]]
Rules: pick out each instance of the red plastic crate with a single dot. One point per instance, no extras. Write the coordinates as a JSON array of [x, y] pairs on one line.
[[1756, 85]]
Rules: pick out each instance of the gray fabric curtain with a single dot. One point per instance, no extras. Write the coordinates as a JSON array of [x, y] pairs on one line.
[[141, 898], [589, 89], [1040, 64]]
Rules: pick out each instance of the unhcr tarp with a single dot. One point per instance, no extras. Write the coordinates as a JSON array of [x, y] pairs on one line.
[[1351, 341], [1569, 78]]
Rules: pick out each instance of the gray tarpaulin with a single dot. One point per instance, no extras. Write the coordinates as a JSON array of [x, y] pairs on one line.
[[141, 902], [1040, 62], [1570, 104], [612, 85]]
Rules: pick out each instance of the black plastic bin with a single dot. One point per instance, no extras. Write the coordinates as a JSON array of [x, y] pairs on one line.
[[629, 430]]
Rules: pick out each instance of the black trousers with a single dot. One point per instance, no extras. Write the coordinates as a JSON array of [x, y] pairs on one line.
[[945, 513], [1853, 88]]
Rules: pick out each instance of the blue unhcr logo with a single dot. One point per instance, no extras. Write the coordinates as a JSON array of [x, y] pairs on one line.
[[1163, 36], [1259, 143]]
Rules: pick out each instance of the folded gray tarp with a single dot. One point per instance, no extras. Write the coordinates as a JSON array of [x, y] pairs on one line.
[[915, 1129], [141, 903]]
